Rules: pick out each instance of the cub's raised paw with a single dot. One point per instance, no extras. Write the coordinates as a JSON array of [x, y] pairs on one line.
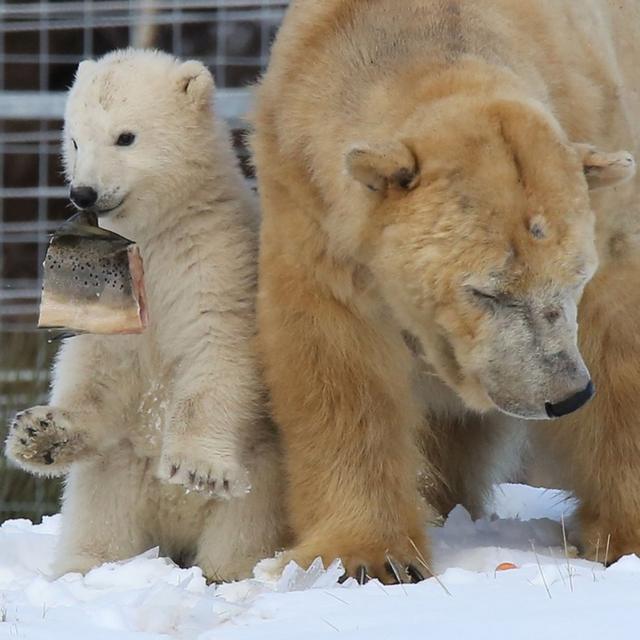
[[41, 441], [218, 477]]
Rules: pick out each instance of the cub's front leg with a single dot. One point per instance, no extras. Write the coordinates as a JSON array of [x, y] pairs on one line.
[[216, 393], [94, 378], [207, 346], [202, 448], [43, 440]]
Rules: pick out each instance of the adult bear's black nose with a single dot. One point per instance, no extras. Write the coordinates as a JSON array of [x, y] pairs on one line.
[[571, 404], [83, 197]]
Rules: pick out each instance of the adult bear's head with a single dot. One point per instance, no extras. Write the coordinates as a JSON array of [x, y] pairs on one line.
[[480, 234]]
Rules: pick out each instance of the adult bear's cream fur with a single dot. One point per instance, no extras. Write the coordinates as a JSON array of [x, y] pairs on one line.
[[424, 168]]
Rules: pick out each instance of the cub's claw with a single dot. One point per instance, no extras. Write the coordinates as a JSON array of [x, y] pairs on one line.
[[217, 478]]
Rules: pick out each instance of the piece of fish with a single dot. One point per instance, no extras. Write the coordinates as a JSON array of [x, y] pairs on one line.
[[93, 280]]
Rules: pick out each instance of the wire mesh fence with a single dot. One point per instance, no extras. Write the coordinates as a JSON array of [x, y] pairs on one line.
[[41, 44]]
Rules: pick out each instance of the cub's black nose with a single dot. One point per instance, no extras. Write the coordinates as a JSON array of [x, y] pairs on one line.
[[83, 197], [571, 404]]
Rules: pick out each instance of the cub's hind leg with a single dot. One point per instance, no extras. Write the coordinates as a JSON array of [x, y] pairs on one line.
[[239, 532], [108, 507]]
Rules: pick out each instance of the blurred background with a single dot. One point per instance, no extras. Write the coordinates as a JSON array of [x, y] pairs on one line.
[[41, 44]]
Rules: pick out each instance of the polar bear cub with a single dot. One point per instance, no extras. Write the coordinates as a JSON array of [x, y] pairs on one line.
[[161, 435]]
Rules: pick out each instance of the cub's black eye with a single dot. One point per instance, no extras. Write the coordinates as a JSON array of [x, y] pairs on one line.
[[75, 144], [126, 139]]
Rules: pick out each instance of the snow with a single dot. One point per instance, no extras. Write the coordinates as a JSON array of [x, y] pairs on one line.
[[549, 595]]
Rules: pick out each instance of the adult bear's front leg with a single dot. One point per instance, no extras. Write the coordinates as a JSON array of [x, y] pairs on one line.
[[341, 393], [605, 457], [598, 447]]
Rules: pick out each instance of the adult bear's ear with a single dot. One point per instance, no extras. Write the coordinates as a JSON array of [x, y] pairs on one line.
[[605, 169], [195, 81], [383, 166]]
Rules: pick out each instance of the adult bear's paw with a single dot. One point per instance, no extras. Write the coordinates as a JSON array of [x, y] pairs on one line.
[[218, 476], [606, 540], [392, 564], [42, 441], [387, 568]]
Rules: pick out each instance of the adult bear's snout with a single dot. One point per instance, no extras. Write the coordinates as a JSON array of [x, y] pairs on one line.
[[572, 403]]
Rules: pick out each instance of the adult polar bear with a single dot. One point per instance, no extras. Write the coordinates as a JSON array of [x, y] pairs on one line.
[[422, 171], [138, 422]]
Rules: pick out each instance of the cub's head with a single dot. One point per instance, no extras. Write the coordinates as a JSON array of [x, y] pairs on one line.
[[137, 129], [480, 234]]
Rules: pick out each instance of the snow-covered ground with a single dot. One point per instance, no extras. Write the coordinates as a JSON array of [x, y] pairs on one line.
[[547, 596]]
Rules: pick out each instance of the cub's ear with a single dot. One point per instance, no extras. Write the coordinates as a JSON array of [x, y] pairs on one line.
[[605, 169], [196, 82], [382, 167], [85, 67]]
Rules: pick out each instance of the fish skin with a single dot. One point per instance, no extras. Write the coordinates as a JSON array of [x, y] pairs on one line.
[[84, 224], [88, 284], [87, 268]]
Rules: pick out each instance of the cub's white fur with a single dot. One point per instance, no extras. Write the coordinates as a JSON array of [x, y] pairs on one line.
[[162, 435]]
